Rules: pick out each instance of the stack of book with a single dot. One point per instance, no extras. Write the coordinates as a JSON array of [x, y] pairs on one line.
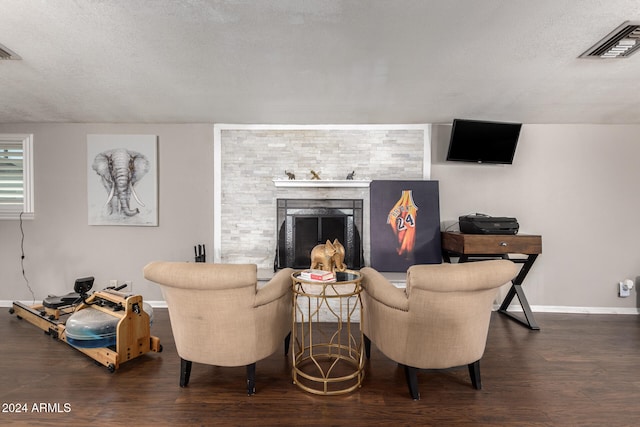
[[318, 275]]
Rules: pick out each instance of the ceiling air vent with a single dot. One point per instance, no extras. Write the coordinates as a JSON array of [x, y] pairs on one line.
[[5, 53], [620, 43]]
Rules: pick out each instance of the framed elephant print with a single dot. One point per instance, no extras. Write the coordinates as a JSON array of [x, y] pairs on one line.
[[122, 183]]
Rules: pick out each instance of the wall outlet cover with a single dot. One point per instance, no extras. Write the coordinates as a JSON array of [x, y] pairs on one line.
[[623, 290]]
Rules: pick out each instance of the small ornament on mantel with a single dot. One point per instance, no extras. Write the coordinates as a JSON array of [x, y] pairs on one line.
[[290, 175], [350, 176], [315, 175]]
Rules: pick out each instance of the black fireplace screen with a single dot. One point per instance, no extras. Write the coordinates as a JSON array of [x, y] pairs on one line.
[[304, 223]]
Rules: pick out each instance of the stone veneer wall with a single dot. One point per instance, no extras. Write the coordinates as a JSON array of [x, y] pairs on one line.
[[252, 158]]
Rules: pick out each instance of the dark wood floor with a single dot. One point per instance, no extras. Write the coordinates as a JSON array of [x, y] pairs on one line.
[[578, 370]]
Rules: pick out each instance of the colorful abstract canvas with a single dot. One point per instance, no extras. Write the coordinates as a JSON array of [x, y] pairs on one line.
[[405, 224]]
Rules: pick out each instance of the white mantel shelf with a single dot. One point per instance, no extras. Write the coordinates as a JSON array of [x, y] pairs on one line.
[[321, 183]]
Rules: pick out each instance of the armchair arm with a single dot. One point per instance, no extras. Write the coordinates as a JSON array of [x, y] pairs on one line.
[[279, 285], [383, 291]]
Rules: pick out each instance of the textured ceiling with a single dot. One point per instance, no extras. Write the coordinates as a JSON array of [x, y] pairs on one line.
[[314, 61]]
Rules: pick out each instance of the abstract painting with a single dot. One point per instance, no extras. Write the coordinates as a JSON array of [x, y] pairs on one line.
[[405, 224]]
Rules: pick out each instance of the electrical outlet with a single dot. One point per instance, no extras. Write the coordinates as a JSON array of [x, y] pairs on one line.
[[113, 283], [129, 284], [624, 290]]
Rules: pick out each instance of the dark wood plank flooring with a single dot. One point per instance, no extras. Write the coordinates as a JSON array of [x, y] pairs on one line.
[[578, 370]]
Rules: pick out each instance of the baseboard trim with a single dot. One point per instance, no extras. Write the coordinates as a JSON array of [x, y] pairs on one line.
[[515, 308], [157, 304], [585, 310], [575, 310]]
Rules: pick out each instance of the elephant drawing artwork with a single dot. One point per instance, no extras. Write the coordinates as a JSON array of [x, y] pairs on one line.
[[120, 170]]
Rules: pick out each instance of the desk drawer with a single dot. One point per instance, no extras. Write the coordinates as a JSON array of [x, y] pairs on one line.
[[470, 244]]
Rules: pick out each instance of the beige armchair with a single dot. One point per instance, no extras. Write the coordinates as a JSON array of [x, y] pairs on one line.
[[219, 316], [441, 319]]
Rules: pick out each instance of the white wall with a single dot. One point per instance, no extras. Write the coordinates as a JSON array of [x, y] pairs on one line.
[[59, 245], [577, 186]]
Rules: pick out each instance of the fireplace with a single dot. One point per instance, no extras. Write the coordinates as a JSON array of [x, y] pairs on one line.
[[304, 223]]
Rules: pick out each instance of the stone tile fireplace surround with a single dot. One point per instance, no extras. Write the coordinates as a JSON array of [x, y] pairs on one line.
[[251, 160]]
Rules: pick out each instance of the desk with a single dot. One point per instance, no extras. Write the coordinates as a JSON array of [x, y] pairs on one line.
[[327, 363], [470, 247]]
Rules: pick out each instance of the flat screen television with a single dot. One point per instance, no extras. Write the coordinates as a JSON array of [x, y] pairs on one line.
[[483, 142]]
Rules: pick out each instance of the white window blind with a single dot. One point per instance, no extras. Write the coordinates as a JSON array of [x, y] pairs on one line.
[[16, 176]]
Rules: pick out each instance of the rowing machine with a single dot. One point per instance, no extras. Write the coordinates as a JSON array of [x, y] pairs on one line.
[[124, 315]]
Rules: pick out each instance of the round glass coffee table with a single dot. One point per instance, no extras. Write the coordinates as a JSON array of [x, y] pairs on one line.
[[328, 353]]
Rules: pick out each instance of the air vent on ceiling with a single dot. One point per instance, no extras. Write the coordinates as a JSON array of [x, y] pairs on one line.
[[6, 54], [620, 43]]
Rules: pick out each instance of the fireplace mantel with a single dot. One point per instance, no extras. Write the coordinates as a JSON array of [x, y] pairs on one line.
[[314, 183]]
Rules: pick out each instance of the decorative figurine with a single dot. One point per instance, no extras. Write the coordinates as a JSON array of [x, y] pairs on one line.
[[315, 175], [338, 258], [290, 175], [328, 257], [200, 251], [350, 176]]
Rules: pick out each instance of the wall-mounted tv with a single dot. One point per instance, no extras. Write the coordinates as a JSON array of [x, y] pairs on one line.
[[483, 142]]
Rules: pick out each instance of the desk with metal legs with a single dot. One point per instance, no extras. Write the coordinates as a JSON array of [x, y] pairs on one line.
[[472, 247]]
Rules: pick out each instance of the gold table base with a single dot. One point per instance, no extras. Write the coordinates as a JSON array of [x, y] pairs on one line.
[[335, 365]]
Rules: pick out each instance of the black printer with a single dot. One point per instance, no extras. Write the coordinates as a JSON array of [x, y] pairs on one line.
[[484, 224]]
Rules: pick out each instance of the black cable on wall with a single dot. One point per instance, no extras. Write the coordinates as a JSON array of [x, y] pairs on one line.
[[22, 256]]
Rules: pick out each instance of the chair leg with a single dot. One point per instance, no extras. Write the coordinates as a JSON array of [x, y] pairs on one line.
[[185, 372], [367, 346], [251, 379], [287, 342], [412, 381], [474, 373]]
